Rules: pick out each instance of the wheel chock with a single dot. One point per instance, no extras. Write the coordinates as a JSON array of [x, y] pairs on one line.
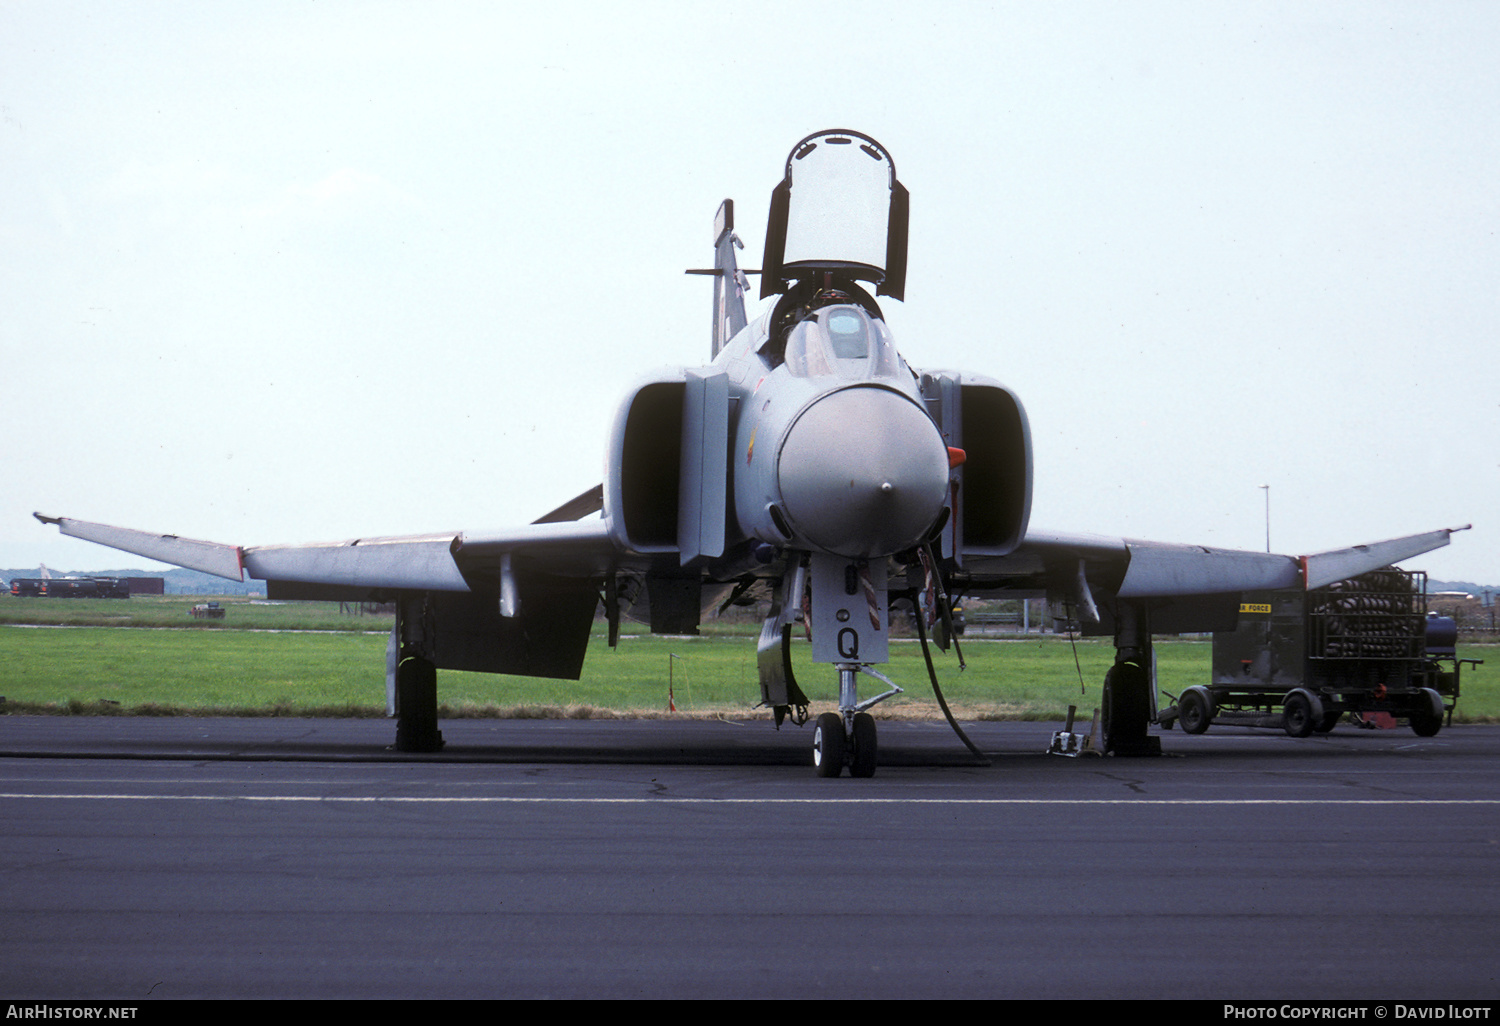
[[1071, 745]]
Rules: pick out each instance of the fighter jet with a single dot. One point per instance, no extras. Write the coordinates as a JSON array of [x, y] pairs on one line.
[[808, 464]]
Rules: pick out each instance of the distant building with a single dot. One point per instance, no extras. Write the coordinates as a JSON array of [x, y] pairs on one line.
[[146, 585]]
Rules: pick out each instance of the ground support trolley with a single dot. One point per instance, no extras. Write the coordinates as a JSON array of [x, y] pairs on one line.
[[1302, 661]]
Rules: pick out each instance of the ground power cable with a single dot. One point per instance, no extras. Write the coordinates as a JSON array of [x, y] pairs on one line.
[[945, 607]]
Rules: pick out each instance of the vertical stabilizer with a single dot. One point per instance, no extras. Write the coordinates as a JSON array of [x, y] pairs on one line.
[[730, 283]]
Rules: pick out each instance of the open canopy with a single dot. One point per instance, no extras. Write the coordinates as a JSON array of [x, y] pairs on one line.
[[839, 209]]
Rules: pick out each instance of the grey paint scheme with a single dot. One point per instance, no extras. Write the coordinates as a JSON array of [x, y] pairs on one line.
[[1044, 562], [721, 519]]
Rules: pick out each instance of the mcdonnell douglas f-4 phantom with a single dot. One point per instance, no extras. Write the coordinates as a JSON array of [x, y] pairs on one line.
[[807, 463]]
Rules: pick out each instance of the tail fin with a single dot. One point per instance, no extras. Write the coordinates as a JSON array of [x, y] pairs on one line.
[[731, 283]]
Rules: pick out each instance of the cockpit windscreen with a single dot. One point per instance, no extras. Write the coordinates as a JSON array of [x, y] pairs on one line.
[[841, 341]]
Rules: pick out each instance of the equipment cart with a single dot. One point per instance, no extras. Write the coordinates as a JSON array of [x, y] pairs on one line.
[[1302, 660]]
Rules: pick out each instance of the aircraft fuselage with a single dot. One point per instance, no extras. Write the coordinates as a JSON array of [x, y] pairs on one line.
[[833, 450]]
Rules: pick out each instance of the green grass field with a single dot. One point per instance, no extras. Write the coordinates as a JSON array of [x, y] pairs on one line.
[[308, 659], [174, 611]]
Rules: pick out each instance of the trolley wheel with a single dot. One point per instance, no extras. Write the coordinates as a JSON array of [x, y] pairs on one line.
[[1192, 712], [1425, 724], [1297, 716]]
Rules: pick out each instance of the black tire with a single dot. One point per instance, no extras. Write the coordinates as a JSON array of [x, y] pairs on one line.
[[1425, 724], [416, 706], [1192, 712], [1297, 716], [862, 759], [828, 745], [1126, 712], [1328, 722]]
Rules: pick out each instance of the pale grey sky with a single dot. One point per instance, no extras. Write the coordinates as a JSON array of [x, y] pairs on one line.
[[282, 272]]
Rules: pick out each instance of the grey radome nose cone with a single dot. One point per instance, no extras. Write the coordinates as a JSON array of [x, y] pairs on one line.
[[863, 472]]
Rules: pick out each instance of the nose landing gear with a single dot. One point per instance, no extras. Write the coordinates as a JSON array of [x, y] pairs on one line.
[[847, 737]]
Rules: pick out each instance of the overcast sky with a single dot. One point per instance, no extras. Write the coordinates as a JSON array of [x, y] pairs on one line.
[[280, 272]]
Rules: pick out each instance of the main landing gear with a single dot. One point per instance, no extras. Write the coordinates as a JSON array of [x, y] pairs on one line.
[[847, 737]]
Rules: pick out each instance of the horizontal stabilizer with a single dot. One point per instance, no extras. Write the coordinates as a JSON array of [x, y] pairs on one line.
[[576, 508], [208, 557], [1324, 568]]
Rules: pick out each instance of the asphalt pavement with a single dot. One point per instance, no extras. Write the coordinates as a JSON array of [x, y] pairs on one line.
[[210, 858]]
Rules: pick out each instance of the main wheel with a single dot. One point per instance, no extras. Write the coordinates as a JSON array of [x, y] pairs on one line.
[[1192, 712], [1126, 710], [828, 745], [416, 706], [1297, 716], [862, 760], [1328, 722]]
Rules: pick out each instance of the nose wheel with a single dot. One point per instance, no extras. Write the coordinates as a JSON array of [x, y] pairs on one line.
[[829, 745], [862, 758], [834, 747]]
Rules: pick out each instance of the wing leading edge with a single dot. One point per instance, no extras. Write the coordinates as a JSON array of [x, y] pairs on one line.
[[1084, 568], [519, 601], [444, 562]]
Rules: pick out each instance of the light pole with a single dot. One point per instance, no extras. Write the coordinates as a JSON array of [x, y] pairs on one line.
[[1267, 489]]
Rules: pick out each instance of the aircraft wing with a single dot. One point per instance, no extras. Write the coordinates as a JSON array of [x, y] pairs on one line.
[[1189, 582], [447, 562], [517, 601]]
